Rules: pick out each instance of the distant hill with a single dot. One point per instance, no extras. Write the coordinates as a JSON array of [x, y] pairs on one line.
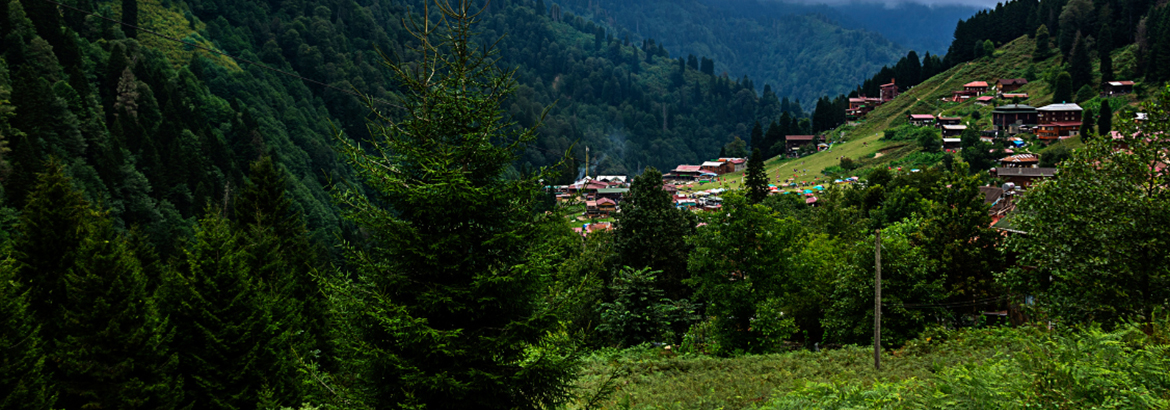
[[801, 56]]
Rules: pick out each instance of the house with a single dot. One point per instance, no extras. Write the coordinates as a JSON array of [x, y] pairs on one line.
[[953, 130], [1012, 96], [1023, 177], [1059, 113], [889, 91], [975, 87], [606, 206], [792, 143], [1117, 88], [614, 194], [670, 189], [717, 167], [859, 106], [612, 180], [1009, 118], [984, 100], [1058, 130], [949, 121], [1020, 161], [921, 120], [1007, 85], [737, 164], [684, 172], [952, 143]]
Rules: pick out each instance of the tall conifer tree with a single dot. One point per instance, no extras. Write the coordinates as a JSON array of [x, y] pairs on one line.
[[756, 179], [24, 384]]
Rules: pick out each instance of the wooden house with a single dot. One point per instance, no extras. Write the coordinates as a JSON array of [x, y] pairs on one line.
[[975, 87], [953, 130], [737, 164], [1059, 113], [1020, 161], [1058, 130], [889, 91], [792, 143], [1117, 88], [684, 173], [921, 120], [1023, 177], [1007, 85], [949, 121], [1010, 118], [717, 167]]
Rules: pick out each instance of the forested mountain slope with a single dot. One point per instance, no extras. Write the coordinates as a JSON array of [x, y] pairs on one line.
[[803, 55]]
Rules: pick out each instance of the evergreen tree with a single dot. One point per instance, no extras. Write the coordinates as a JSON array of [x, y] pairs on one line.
[[774, 138], [1104, 49], [1062, 89], [130, 17], [1105, 120], [230, 348], [448, 276], [1087, 122], [1080, 66], [24, 383], [651, 232], [113, 350], [1043, 47], [757, 138], [756, 180]]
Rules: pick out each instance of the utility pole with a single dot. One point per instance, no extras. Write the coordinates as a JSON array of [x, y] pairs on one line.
[[877, 301]]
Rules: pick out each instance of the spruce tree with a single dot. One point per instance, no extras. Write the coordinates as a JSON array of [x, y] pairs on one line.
[[1105, 119], [651, 232], [756, 179], [1043, 47], [231, 346], [1087, 124], [113, 352], [1062, 89], [757, 138], [24, 383], [1080, 66], [447, 299]]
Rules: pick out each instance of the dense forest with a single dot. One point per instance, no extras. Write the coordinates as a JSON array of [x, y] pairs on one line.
[[264, 204]]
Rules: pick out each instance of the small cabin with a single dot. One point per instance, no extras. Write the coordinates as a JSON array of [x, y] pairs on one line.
[[1117, 88]]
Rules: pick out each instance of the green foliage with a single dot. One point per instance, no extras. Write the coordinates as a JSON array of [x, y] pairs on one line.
[[236, 343], [446, 300], [1062, 88], [739, 267], [1055, 155], [737, 148], [639, 313], [902, 132], [1085, 93], [929, 139], [756, 180], [23, 379], [1105, 120], [1106, 211], [1043, 46], [651, 233]]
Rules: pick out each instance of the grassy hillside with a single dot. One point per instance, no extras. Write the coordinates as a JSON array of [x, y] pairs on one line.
[[984, 368], [862, 141]]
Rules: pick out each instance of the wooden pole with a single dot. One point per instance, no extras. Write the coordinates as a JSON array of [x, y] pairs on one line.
[[877, 301]]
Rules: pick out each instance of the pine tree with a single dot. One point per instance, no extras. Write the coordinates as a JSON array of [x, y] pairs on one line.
[[230, 347], [756, 180], [113, 349], [1080, 66], [1043, 47], [757, 138], [1062, 90], [1105, 119], [449, 311], [1104, 48], [651, 232], [24, 383], [1087, 123]]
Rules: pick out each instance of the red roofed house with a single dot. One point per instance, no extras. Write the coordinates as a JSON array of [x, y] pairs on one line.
[[1007, 85], [1020, 161], [718, 167], [685, 172], [921, 120], [859, 106], [1117, 88], [984, 100], [975, 87], [1058, 130], [889, 91], [737, 164]]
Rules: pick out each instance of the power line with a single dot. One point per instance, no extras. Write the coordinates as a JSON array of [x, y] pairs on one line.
[[234, 58]]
